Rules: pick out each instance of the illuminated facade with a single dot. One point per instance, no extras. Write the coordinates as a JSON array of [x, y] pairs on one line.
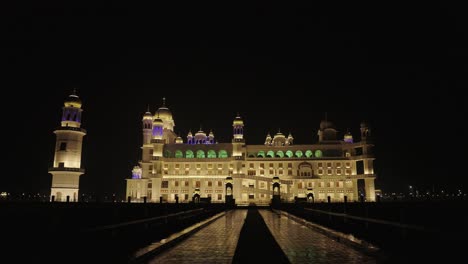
[[66, 170], [177, 170]]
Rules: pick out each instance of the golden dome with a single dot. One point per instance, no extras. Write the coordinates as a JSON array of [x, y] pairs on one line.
[[164, 113]]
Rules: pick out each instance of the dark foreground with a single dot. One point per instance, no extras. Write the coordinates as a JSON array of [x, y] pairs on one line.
[[111, 232]]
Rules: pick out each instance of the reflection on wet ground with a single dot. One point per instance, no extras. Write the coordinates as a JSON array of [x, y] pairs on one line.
[[304, 245], [216, 243]]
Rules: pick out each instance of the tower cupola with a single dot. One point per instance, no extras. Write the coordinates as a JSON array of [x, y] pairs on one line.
[[238, 128]]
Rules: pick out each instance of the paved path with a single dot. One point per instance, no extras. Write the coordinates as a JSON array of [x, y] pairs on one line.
[[215, 243], [304, 245], [259, 236]]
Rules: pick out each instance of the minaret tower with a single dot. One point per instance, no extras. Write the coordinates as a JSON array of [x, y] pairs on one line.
[[147, 127], [66, 170], [238, 137], [238, 128], [368, 161]]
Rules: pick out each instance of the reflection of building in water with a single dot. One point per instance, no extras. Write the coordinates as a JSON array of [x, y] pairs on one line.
[[175, 168]]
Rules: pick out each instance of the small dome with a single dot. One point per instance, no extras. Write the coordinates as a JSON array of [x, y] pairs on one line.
[[148, 116], [348, 137], [179, 140], [279, 139], [238, 121], [200, 137], [73, 100], [211, 134], [279, 134], [200, 133], [136, 172]]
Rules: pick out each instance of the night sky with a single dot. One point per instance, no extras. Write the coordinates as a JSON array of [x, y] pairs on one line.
[[401, 68]]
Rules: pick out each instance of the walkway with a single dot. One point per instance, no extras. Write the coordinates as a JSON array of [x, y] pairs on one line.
[[215, 243], [304, 245], [253, 236]]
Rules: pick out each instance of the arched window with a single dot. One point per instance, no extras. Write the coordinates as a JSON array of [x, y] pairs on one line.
[[318, 153], [200, 154], [189, 154], [305, 169], [179, 154], [299, 154], [261, 154], [222, 154], [309, 153], [167, 154], [289, 154], [211, 154], [271, 154], [280, 154]]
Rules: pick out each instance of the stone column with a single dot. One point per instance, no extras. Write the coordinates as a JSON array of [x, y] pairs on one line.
[[370, 189], [355, 190], [156, 188]]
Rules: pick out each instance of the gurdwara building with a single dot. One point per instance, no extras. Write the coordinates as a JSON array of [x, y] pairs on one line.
[[173, 169]]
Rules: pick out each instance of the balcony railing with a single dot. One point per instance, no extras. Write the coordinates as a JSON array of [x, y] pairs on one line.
[[78, 129], [67, 169]]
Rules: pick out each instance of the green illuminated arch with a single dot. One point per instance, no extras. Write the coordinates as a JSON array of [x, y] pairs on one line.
[[270, 154], [289, 154], [309, 153], [167, 154], [179, 154], [211, 154], [280, 154], [299, 154], [261, 153], [222, 154], [189, 154], [318, 153], [200, 154]]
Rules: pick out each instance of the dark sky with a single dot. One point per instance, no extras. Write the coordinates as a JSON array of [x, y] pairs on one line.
[[402, 68]]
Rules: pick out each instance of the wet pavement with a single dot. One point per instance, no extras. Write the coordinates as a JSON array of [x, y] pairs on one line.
[[216, 243], [304, 245], [250, 236]]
